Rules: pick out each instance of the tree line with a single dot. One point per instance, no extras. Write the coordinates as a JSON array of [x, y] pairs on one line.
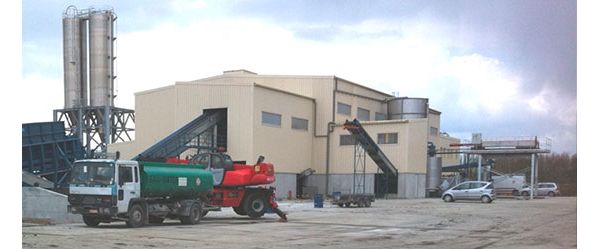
[[558, 168]]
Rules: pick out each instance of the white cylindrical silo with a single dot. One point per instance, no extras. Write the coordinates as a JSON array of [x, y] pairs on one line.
[[407, 108], [74, 65], [101, 58]]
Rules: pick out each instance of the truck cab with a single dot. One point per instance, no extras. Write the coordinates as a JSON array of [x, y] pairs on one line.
[[216, 163], [138, 193], [103, 189]]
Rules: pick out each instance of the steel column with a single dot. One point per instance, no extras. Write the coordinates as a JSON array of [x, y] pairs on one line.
[[479, 168], [80, 124], [532, 183], [107, 127]]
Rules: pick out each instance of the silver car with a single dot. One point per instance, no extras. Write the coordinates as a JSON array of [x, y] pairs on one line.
[[543, 188], [471, 190]]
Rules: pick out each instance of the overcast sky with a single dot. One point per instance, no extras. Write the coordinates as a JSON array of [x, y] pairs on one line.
[[502, 68]]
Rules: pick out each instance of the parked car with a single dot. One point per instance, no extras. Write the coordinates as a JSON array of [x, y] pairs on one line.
[[543, 189], [471, 190]]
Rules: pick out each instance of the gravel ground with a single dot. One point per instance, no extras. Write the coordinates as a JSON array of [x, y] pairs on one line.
[[418, 223]]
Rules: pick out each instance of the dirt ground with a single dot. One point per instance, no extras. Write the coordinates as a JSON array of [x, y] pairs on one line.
[[418, 223]]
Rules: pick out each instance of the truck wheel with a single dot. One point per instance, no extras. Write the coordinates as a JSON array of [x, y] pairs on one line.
[[194, 216], [90, 221], [256, 205], [240, 210], [155, 220], [136, 216]]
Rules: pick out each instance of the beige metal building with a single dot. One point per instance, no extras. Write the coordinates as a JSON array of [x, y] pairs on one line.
[[296, 123]]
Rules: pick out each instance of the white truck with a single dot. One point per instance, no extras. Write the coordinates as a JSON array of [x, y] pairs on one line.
[[508, 184]]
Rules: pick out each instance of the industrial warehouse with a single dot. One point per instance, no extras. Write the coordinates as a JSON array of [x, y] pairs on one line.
[[296, 122], [301, 157]]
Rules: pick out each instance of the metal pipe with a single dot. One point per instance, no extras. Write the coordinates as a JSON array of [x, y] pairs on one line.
[[107, 126], [80, 125], [479, 168], [531, 185], [536, 172], [329, 130], [354, 175], [327, 162]]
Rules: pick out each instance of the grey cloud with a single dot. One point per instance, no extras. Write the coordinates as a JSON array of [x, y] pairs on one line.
[[534, 39], [537, 37]]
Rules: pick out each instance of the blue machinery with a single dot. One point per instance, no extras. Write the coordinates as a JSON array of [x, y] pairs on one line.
[[47, 152]]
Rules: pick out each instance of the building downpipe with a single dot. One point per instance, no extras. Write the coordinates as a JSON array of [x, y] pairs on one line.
[[330, 126]]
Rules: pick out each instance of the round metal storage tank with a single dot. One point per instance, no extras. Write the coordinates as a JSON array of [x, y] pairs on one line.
[[434, 173], [175, 180], [101, 58], [408, 108], [74, 50]]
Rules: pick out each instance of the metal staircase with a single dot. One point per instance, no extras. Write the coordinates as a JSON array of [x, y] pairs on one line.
[[178, 141]]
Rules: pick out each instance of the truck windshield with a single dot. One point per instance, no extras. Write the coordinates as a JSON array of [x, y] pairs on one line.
[[93, 173]]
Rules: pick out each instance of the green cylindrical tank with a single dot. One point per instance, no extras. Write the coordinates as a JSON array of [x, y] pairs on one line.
[[174, 180]]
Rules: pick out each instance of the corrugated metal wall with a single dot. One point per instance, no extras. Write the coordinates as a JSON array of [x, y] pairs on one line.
[[407, 155], [319, 148], [347, 86], [416, 146], [193, 98], [443, 143], [357, 102], [290, 150], [318, 88], [161, 111], [345, 182], [154, 115], [411, 185]]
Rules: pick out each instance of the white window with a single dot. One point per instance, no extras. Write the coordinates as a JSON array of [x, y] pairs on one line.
[[346, 140], [387, 138], [344, 109], [363, 114], [433, 131], [380, 116], [272, 119], [299, 124]]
